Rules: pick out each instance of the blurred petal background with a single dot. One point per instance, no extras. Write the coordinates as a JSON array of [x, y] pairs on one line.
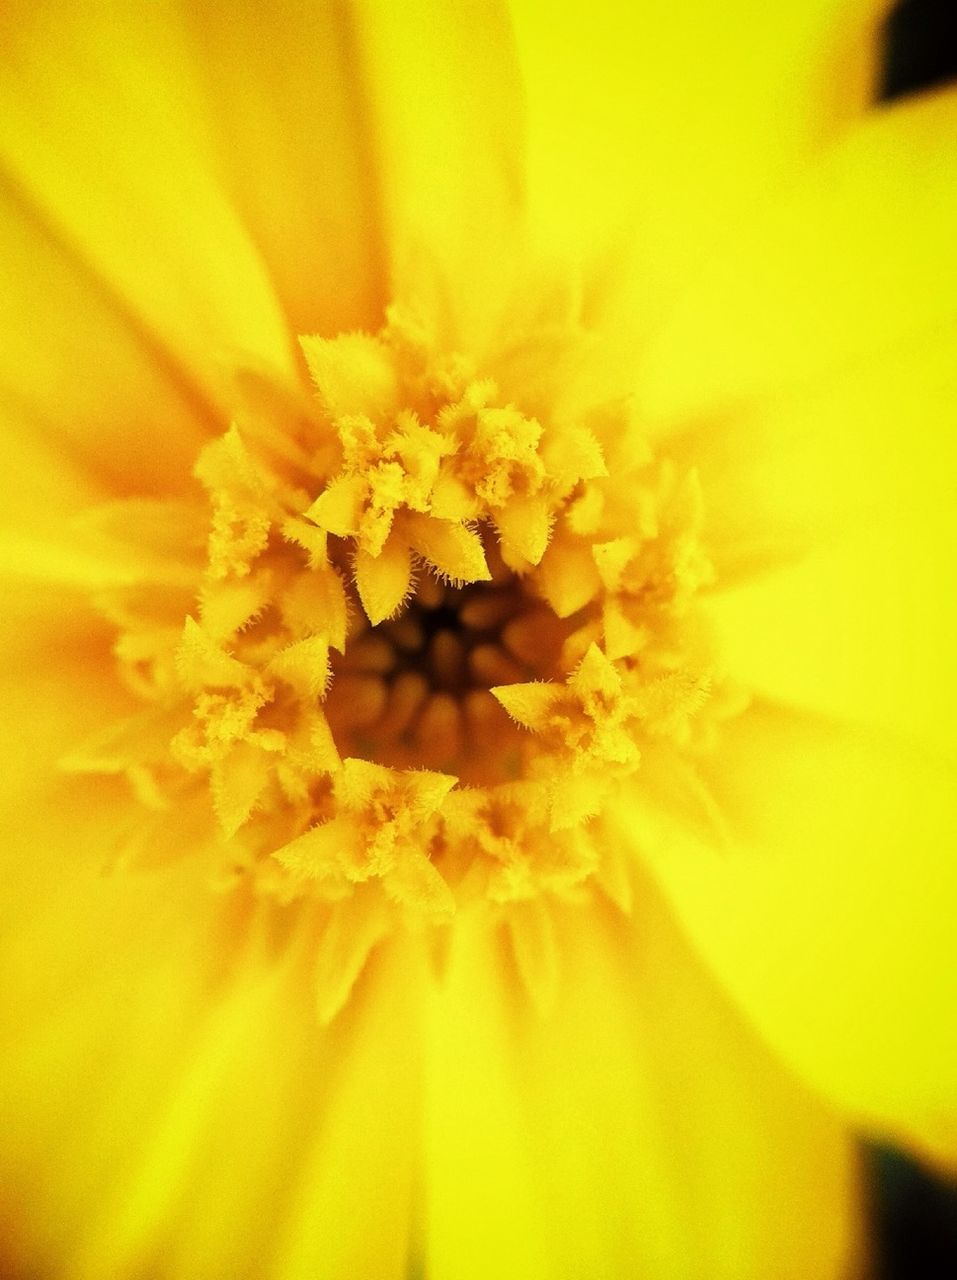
[[914, 1209], [180, 183]]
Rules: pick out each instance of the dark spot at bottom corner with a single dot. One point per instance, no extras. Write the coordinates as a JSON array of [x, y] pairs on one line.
[[918, 48], [913, 1223]]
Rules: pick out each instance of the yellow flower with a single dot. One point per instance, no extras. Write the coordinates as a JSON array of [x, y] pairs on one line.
[[477, 632]]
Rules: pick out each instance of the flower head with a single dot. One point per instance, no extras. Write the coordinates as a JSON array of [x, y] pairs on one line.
[[402, 518], [420, 607]]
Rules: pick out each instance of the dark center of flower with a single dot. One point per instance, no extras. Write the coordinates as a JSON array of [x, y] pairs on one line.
[[414, 691]]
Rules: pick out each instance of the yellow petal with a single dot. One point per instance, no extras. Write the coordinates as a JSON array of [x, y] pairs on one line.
[[237, 783], [368, 1124], [304, 665], [284, 93], [622, 637], [133, 1068], [797, 471], [339, 506], [454, 550], [360, 781], [530, 704], [55, 705], [415, 883], [823, 278], [532, 936], [524, 526], [427, 790], [225, 1066], [42, 485], [66, 1006], [611, 559], [319, 852], [355, 927], [110, 544], [384, 581], [77, 371], [227, 606], [483, 1215], [201, 661], [829, 516], [827, 908], [354, 373], [313, 541], [683, 117], [567, 576], [322, 755], [61, 560], [864, 629], [452, 499], [102, 126], [316, 605], [444, 81], [636, 1129]]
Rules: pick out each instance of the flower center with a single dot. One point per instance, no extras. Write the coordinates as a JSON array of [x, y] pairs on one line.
[[430, 629], [415, 691]]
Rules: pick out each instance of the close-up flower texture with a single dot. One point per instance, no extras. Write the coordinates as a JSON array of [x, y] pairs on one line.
[[478, 541]]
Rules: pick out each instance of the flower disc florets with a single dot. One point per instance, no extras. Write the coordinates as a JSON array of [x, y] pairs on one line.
[[427, 630]]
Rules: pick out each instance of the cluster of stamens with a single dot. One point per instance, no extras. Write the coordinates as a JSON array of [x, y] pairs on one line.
[[429, 634]]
